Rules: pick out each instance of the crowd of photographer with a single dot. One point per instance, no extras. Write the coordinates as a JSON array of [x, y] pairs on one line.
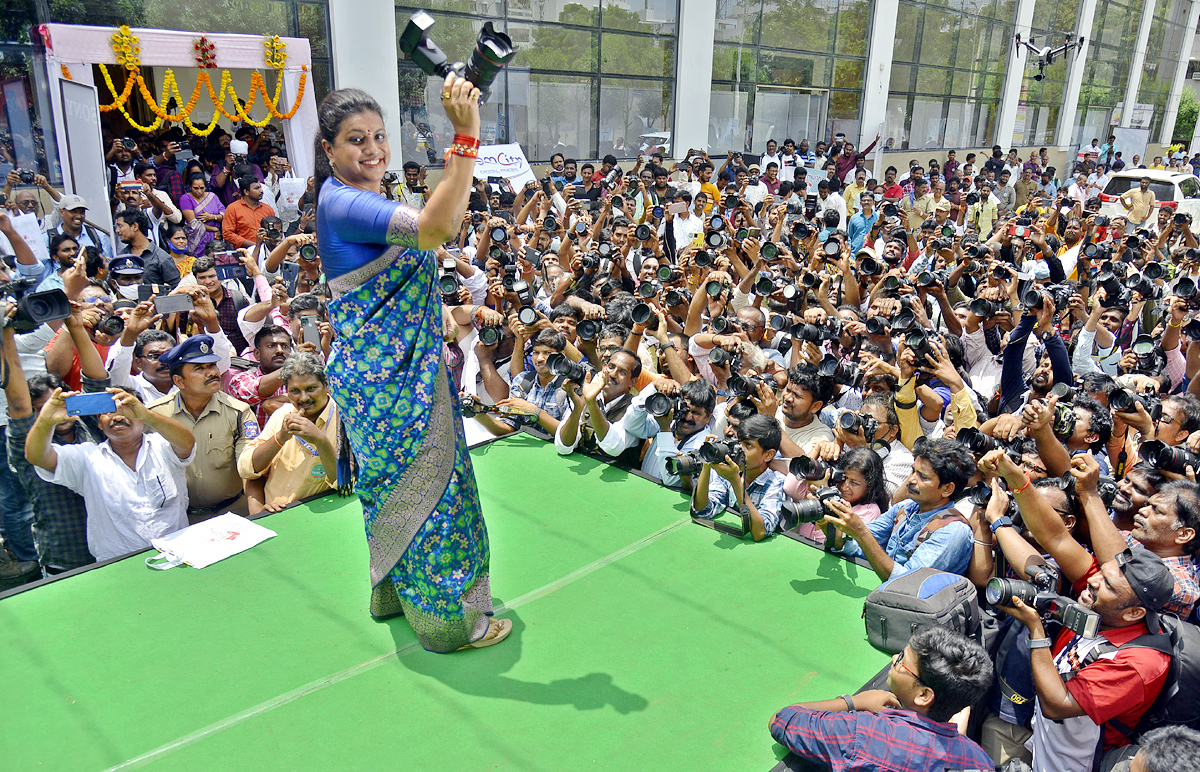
[[963, 367], [927, 371]]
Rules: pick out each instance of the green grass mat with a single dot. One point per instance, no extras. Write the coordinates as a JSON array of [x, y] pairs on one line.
[[641, 641]]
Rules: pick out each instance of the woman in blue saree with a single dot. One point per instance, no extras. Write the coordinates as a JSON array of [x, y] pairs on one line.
[[427, 539]]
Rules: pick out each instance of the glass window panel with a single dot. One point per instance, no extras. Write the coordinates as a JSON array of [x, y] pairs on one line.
[[937, 37], [908, 23], [552, 111], [556, 49], [737, 20], [901, 77], [931, 80], [895, 124], [964, 83], [797, 26], [728, 118], [974, 36], [656, 16], [782, 70], [783, 113], [631, 109], [848, 73], [26, 108], [738, 64], [853, 24], [928, 126], [844, 105], [17, 21], [322, 78], [637, 55], [584, 13], [254, 17], [313, 18], [425, 130]]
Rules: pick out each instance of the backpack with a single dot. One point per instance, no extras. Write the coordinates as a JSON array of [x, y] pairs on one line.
[[1177, 702], [900, 606]]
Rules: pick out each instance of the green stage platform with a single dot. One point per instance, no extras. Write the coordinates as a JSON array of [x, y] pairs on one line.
[[641, 641]]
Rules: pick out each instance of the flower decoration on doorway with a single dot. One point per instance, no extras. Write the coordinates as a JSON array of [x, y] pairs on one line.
[[128, 55], [206, 53]]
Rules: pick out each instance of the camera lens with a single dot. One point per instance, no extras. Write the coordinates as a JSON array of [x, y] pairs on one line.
[[489, 336], [1000, 592], [769, 251], [643, 232]]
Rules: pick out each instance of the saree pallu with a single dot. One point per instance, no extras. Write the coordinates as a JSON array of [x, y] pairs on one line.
[[420, 502]]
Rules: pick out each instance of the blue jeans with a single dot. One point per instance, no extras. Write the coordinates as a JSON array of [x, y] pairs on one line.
[[16, 510]]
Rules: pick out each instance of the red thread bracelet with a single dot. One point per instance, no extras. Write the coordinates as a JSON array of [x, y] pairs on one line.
[[463, 139], [1026, 485]]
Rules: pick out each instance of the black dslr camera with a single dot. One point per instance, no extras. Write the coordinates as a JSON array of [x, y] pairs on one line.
[[1040, 592], [34, 308], [492, 51]]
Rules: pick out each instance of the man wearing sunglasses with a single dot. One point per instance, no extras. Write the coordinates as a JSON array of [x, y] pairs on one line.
[[906, 726]]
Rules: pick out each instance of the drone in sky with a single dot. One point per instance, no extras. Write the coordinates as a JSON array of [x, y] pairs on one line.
[[1047, 55]]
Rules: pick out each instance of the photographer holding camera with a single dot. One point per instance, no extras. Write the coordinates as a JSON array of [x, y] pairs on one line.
[[1080, 696], [244, 217], [743, 478], [676, 420], [414, 190]]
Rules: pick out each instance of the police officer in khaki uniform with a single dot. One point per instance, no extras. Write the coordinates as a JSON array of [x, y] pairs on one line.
[[223, 427]]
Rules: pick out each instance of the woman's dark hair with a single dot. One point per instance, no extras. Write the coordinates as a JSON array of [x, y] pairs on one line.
[[169, 229], [956, 668], [336, 107], [868, 463], [191, 180]]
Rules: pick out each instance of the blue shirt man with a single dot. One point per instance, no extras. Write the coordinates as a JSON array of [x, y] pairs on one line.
[[681, 430], [925, 529], [862, 222]]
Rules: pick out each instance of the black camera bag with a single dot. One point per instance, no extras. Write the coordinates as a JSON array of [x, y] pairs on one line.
[[926, 596]]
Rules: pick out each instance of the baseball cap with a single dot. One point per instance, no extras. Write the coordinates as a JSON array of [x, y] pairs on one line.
[[72, 202], [1151, 580]]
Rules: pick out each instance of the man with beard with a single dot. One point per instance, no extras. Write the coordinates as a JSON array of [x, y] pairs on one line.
[[679, 430], [1080, 698], [59, 515], [923, 530], [1165, 524], [295, 457], [132, 484], [222, 425], [133, 228], [263, 386], [244, 216], [1054, 366]]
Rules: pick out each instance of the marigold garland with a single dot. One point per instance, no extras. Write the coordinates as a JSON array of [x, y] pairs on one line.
[[128, 54]]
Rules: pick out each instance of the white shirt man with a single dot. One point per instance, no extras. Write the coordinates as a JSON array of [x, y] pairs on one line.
[[126, 507]]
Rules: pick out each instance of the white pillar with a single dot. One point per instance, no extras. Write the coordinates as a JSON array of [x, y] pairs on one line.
[[1139, 61], [365, 53], [1014, 75], [1070, 100], [693, 74], [1177, 83], [879, 70]]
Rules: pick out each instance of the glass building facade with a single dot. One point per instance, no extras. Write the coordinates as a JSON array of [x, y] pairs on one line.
[[588, 79]]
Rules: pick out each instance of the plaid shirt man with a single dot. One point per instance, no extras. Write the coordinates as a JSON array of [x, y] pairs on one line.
[[891, 740], [1186, 571], [552, 397], [170, 181], [243, 385]]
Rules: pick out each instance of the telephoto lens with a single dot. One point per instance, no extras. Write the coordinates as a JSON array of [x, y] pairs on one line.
[[489, 335], [1162, 456], [659, 405], [983, 308], [878, 325], [764, 286], [769, 251], [811, 510], [587, 329], [667, 274], [855, 422], [308, 252], [806, 468], [642, 313], [714, 288], [977, 442], [560, 365], [1000, 592], [1125, 401], [715, 451], [677, 298], [648, 289], [869, 266], [448, 281], [703, 258], [723, 324], [803, 331], [721, 357], [643, 232], [684, 464], [922, 350]]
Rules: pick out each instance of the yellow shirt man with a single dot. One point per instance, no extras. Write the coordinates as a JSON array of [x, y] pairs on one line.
[[296, 472]]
